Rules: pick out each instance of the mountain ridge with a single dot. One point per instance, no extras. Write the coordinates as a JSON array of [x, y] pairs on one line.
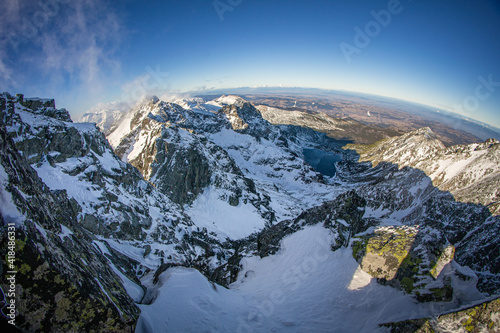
[[458, 169]]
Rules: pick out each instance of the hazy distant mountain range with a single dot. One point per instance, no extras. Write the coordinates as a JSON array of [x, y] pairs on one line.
[[385, 112]]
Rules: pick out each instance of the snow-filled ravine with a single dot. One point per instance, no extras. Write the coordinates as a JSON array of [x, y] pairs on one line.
[[305, 287]]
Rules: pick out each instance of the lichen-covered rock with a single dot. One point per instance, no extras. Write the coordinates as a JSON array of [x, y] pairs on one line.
[[382, 253], [418, 261], [484, 317]]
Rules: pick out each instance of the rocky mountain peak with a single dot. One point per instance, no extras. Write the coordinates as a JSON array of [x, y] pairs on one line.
[[230, 100], [403, 150], [239, 116], [148, 100], [142, 109], [490, 143], [470, 172], [423, 135], [426, 132], [35, 105], [163, 112]]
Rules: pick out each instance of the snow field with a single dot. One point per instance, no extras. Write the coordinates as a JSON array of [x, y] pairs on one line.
[[209, 211], [305, 287]]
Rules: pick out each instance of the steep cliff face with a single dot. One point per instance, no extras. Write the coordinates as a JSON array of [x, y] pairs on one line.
[[63, 282], [114, 198]]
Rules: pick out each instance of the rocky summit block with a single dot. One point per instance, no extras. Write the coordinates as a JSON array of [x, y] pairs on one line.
[[42, 106]]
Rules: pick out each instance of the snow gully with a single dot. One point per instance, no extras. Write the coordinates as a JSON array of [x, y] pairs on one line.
[[292, 278]]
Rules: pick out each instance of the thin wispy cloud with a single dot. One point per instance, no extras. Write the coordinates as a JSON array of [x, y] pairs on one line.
[[67, 45]]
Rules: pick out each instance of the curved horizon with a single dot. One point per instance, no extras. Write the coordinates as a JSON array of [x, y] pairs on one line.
[[435, 54]]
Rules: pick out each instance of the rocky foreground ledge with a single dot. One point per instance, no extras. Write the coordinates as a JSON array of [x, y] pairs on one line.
[[484, 317]]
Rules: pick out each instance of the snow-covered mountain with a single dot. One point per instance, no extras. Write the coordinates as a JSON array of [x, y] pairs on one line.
[[104, 115], [102, 203], [199, 215], [215, 161], [470, 172]]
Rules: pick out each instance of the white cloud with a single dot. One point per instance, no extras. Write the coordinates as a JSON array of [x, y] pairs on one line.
[[5, 72], [64, 44]]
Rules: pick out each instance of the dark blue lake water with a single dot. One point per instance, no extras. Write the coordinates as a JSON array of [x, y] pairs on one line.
[[322, 161]]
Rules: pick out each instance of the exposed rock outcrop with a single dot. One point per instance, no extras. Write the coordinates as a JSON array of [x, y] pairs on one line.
[[343, 216], [416, 260], [481, 318]]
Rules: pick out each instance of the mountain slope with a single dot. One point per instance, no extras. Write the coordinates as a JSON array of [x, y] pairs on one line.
[[302, 275], [393, 195], [470, 172], [63, 282]]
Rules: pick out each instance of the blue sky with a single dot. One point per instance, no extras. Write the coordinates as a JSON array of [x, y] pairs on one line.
[[444, 54]]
